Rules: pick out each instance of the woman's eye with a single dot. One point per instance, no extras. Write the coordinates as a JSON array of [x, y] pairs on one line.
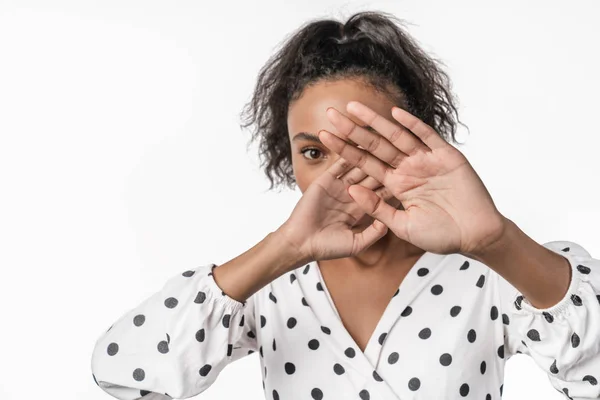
[[311, 151]]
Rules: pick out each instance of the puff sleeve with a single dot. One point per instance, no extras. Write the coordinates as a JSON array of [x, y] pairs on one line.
[[564, 340], [176, 342]]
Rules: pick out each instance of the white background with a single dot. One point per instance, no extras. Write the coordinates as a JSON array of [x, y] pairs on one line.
[[122, 162]]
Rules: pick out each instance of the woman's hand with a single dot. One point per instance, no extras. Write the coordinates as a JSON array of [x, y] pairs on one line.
[[321, 226], [447, 208]]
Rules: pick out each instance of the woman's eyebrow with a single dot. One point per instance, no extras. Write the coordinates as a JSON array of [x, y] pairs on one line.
[[315, 138]]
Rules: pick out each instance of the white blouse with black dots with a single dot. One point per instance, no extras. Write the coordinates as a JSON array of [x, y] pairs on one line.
[[446, 333]]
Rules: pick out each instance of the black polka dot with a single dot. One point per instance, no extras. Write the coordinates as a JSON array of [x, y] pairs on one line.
[[553, 368], [407, 311], [425, 333], [316, 394], [139, 320], [364, 394], [501, 387], [163, 347], [200, 335], [393, 358], [575, 340], [319, 286], [397, 291], [139, 374], [437, 289], [168, 338], [464, 266], [290, 368], [454, 311], [349, 352], [445, 359], [488, 397], [112, 349], [583, 269], [200, 297], [304, 303], [291, 322], [205, 370], [589, 378], [313, 344], [377, 377], [534, 335], [189, 273], [518, 302], [548, 316], [306, 269], [576, 300], [422, 271], [275, 395], [505, 319], [414, 384], [501, 351], [144, 392], [225, 320], [338, 369], [272, 297], [494, 313], [482, 367], [251, 334], [274, 345], [464, 390], [292, 278], [326, 330], [471, 335], [229, 349], [480, 281], [382, 338], [242, 320], [171, 302], [263, 321]]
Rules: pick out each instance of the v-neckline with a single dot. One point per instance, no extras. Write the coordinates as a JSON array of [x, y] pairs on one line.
[[411, 284]]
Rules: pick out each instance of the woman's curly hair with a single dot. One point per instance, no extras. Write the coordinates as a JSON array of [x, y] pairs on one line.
[[371, 46]]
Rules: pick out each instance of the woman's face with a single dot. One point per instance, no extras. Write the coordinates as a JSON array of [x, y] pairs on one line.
[[306, 117]]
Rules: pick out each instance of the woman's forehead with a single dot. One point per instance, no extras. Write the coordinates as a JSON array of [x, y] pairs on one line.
[[308, 112]]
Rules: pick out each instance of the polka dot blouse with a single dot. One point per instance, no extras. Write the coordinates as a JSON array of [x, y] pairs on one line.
[[446, 333]]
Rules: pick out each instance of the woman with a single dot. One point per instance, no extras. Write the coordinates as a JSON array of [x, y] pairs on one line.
[[425, 294]]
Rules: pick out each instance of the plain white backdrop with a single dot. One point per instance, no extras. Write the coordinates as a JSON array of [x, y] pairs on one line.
[[122, 162]]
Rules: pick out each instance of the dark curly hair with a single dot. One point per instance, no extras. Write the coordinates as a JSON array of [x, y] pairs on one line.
[[371, 46]]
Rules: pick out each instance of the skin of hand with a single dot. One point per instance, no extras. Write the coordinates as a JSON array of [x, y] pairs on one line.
[[447, 208], [322, 225]]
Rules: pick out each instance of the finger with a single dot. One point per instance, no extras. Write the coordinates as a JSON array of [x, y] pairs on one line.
[[368, 236], [373, 142], [357, 157], [339, 167], [357, 176], [423, 131], [353, 176], [384, 193], [376, 207], [397, 135]]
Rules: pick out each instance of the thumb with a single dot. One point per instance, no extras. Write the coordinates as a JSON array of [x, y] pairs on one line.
[[377, 208]]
